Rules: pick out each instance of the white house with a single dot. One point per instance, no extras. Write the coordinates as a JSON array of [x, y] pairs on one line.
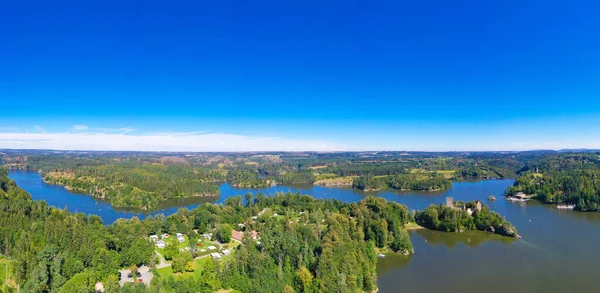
[[179, 235], [216, 255], [160, 244], [202, 250], [226, 252], [211, 248], [207, 235], [180, 238], [154, 238]]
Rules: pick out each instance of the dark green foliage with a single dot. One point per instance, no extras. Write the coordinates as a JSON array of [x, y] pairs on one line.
[[137, 185], [456, 219], [303, 177], [54, 250], [402, 182], [223, 233], [245, 178], [563, 179]]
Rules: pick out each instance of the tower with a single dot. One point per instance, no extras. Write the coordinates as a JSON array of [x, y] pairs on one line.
[[449, 202]]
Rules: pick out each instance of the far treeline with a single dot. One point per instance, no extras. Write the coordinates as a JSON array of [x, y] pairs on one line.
[[142, 180], [306, 244], [571, 179]]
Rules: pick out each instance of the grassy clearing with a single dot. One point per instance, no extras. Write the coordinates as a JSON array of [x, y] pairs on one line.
[[413, 226], [448, 174], [335, 181], [168, 271]]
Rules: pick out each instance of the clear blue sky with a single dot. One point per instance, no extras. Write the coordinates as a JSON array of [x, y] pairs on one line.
[[393, 75]]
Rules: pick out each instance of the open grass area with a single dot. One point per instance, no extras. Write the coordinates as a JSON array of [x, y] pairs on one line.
[[168, 271], [337, 181], [448, 174], [413, 226]]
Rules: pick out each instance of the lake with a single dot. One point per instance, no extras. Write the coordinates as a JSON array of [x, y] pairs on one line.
[[558, 251]]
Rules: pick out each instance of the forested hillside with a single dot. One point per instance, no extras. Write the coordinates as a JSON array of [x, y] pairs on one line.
[[138, 185], [310, 246], [402, 182], [563, 179], [457, 218]]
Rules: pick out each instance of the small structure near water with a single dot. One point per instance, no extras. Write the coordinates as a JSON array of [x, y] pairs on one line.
[[565, 207], [519, 197], [450, 204], [381, 255]]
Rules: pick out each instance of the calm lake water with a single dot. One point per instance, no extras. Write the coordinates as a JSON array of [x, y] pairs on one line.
[[558, 251]]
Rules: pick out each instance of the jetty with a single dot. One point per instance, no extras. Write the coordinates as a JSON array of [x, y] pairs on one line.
[[565, 207], [519, 197]]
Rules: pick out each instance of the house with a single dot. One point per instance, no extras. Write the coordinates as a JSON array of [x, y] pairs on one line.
[[216, 255], [180, 238], [179, 235], [242, 226], [166, 235], [211, 248], [202, 250], [226, 252], [254, 218], [239, 236], [99, 288], [160, 244], [154, 238], [208, 236]]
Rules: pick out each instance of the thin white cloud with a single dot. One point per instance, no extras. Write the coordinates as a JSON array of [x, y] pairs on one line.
[[80, 127], [39, 129], [124, 141]]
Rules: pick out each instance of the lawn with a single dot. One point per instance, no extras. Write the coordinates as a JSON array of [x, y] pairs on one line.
[[168, 271]]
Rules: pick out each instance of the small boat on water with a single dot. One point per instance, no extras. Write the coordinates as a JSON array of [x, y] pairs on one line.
[[381, 255], [492, 198], [516, 199], [565, 207]]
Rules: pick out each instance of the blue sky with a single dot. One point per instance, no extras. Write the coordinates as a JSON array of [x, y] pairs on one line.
[[300, 75]]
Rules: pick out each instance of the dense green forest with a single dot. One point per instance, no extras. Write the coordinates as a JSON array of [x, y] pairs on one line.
[[572, 179], [142, 180], [402, 182], [457, 218], [138, 185], [311, 246], [245, 178]]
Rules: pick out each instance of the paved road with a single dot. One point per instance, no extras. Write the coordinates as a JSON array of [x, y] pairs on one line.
[[162, 263]]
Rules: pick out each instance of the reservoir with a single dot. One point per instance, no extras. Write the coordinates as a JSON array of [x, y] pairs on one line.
[[558, 251]]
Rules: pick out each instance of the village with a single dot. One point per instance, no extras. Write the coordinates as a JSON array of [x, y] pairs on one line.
[[205, 245]]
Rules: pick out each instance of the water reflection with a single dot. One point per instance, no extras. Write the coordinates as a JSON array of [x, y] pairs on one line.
[[451, 240]]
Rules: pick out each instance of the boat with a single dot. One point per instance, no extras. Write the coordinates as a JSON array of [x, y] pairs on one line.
[[381, 255], [492, 198], [565, 207]]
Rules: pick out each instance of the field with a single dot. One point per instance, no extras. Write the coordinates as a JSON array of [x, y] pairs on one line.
[[448, 174], [168, 271]]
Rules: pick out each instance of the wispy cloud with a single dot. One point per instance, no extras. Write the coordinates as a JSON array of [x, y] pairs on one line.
[[39, 129], [80, 127], [123, 140]]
